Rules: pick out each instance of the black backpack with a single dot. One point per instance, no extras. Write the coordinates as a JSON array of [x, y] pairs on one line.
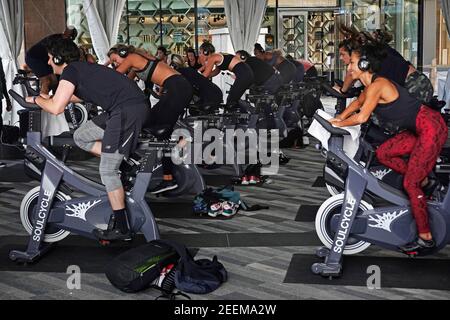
[[197, 276], [136, 269]]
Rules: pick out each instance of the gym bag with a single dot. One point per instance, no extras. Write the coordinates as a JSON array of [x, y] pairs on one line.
[[136, 269], [197, 276]]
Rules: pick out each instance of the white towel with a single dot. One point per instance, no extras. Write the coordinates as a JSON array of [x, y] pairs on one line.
[[52, 125], [351, 142]]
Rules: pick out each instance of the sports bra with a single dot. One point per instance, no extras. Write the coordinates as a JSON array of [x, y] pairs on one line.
[[227, 58], [147, 73]]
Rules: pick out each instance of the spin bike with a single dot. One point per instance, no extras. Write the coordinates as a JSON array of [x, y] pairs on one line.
[[346, 224], [49, 215]]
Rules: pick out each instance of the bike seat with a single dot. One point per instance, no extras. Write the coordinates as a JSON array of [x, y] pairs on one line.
[[159, 132]]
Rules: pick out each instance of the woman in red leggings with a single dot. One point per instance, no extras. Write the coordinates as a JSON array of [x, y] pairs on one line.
[[420, 132]]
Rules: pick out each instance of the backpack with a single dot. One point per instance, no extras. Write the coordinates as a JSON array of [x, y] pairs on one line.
[[136, 269], [197, 276]]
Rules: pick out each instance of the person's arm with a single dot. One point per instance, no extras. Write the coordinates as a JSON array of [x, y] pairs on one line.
[[352, 108], [57, 104], [75, 99], [132, 75], [348, 83], [371, 100], [208, 73], [214, 73]]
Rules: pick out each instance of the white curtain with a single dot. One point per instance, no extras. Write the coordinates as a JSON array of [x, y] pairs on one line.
[[11, 37], [103, 18], [244, 19]]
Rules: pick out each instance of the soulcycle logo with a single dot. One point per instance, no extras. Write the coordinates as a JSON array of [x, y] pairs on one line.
[[343, 227], [42, 215], [227, 147]]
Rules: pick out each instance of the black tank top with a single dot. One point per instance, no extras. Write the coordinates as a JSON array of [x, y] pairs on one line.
[[224, 66], [398, 115]]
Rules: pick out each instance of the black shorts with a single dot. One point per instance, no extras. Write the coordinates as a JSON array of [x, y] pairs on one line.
[[122, 128]]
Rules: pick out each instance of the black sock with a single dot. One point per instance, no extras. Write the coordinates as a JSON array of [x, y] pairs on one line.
[[121, 220]]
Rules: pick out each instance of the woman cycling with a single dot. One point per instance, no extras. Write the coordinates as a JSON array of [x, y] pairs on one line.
[[192, 59], [207, 92], [177, 94], [420, 132], [213, 63], [345, 53]]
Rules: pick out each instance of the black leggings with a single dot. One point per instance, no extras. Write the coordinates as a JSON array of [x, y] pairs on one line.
[[244, 79], [169, 109]]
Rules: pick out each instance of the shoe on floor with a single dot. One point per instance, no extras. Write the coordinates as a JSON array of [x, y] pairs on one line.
[[254, 180], [245, 181], [215, 209], [229, 209], [2, 165], [165, 186]]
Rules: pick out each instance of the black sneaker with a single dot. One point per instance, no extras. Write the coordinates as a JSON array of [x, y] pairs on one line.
[[2, 165], [418, 246], [113, 232], [165, 186], [112, 235]]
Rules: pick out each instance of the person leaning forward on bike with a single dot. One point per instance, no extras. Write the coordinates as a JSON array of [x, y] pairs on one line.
[[126, 110], [418, 131]]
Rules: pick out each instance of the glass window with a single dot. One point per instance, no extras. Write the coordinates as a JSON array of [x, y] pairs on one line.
[[211, 15], [144, 29], [76, 18], [269, 23], [178, 25], [400, 17], [442, 39], [307, 3]]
